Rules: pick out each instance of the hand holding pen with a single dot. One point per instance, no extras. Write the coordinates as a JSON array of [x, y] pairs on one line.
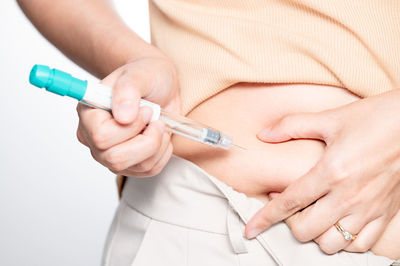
[[128, 140], [117, 141]]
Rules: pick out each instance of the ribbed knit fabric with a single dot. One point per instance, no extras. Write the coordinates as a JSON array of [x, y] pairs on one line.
[[354, 44]]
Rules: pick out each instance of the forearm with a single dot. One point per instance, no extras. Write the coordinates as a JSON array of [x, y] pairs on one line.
[[89, 32]]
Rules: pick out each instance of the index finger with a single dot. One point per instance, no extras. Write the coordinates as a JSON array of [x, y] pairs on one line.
[[86, 112], [300, 194], [103, 131]]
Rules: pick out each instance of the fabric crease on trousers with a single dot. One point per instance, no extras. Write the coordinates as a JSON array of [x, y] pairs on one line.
[[184, 216]]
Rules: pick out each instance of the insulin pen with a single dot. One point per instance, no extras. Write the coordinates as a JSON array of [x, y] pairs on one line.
[[99, 96]]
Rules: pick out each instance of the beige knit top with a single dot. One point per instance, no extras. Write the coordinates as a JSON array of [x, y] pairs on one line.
[[214, 44]]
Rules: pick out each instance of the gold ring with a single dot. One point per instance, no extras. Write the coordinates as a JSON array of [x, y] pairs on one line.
[[348, 236]]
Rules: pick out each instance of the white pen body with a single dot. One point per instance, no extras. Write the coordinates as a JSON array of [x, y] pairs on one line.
[[100, 96]]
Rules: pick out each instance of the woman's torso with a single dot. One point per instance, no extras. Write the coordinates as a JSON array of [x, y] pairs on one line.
[[241, 112], [217, 44]]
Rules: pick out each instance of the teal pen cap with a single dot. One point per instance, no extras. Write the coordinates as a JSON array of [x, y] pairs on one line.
[[57, 82]]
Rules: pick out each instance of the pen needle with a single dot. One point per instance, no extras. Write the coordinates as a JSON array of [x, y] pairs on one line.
[[239, 146]]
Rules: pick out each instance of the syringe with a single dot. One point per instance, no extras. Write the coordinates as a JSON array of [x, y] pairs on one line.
[[99, 96]]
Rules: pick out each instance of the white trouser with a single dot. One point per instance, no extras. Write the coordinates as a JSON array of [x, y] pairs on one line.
[[184, 216]]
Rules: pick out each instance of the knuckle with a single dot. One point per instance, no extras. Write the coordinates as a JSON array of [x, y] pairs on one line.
[[343, 204], [265, 220], [286, 121], [79, 136], [290, 205], [360, 246], [327, 249], [337, 171], [300, 233], [115, 161], [139, 175], [158, 167], [153, 144], [124, 82], [116, 168], [145, 166], [79, 109], [114, 171], [100, 138], [327, 246], [346, 203], [124, 72], [332, 122], [138, 124], [94, 155]]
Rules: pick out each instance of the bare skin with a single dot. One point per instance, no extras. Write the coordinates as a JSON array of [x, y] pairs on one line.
[[111, 51], [266, 169], [355, 182]]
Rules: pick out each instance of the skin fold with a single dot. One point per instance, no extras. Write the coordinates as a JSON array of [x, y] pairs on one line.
[[268, 168], [356, 181]]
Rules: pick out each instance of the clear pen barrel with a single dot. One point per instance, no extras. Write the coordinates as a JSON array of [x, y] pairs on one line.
[[185, 127]]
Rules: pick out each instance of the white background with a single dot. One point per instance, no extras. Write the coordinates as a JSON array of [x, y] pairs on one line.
[[56, 202]]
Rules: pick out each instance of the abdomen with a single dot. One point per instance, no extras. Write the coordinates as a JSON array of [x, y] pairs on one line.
[[241, 112]]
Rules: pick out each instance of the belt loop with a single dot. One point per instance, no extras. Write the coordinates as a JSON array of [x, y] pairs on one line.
[[235, 231]]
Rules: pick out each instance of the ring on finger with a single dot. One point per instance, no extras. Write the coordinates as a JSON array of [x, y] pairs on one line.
[[347, 235]]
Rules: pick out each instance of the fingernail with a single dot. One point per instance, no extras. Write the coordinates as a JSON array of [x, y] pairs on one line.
[[125, 110], [253, 233], [146, 114], [264, 133]]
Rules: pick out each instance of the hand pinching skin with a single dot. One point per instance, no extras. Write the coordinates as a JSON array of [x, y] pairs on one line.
[[347, 199]]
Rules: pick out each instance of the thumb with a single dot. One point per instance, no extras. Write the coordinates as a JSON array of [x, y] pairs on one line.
[[296, 126], [128, 89]]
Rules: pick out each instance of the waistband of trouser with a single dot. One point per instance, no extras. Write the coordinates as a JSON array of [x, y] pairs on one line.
[[182, 194]]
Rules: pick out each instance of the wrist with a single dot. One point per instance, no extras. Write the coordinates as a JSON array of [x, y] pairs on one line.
[[145, 51], [120, 47]]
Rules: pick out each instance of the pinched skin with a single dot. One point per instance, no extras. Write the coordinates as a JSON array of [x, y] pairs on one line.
[[242, 111]]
